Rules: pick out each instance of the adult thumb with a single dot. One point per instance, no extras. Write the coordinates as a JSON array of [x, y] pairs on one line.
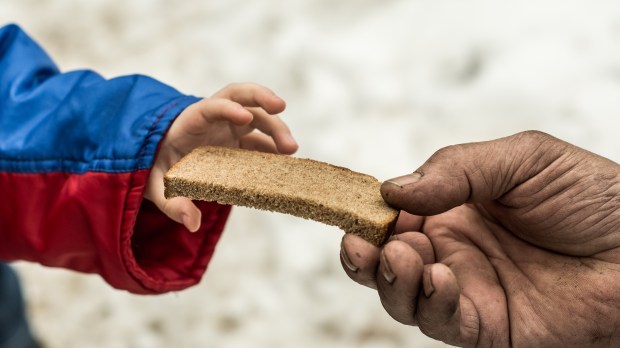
[[472, 173]]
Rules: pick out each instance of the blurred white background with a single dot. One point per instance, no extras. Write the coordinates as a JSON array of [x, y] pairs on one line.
[[376, 86]]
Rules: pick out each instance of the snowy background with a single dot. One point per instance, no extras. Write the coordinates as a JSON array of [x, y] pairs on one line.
[[376, 86]]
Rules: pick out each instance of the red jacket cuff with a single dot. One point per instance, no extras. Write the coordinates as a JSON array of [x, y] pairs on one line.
[[160, 254]]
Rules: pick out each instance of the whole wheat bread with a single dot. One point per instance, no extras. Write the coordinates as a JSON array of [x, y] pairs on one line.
[[301, 187]]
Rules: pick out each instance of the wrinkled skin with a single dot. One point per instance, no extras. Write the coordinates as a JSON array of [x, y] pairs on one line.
[[239, 115], [511, 242]]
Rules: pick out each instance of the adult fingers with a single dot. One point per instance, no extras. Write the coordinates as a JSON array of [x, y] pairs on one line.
[[427, 296], [408, 222], [399, 278], [468, 252], [420, 243], [474, 172], [250, 94], [443, 313], [359, 260]]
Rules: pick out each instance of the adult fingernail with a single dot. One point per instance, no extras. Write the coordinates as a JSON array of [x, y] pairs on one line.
[[427, 280], [389, 276], [405, 179], [346, 260]]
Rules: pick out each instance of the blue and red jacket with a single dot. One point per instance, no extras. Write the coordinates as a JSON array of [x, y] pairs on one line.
[[75, 154]]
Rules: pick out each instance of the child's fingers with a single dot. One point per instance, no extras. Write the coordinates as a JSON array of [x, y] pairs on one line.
[[253, 95], [273, 126], [182, 210], [179, 209], [214, 110], [259, 142]]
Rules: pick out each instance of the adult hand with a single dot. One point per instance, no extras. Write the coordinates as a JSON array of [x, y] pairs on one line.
[[511, 242], [239, 115]]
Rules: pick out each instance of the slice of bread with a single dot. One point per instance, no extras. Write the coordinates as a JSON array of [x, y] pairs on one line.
[[301, 187]]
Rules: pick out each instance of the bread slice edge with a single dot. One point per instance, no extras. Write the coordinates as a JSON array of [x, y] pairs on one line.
[[374, 230]]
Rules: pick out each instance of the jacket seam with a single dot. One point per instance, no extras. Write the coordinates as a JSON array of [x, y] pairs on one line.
[[138, 274]]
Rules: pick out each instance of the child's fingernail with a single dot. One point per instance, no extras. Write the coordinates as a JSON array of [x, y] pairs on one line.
[[404, 180], [389, 276], [241, 109], [188, 224], [427, 280], [292, 140], [346, 260]]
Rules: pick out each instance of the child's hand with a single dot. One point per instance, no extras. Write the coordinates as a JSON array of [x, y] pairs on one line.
[[239, 115]]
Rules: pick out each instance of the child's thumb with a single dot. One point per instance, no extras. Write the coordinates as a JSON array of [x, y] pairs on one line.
[[182, 210], [179, 209]]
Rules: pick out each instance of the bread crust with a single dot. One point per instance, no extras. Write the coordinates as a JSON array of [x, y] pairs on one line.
[[301, 187]]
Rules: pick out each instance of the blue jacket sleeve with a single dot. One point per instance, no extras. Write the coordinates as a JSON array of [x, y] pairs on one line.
[[75, 156], [77, 121]]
